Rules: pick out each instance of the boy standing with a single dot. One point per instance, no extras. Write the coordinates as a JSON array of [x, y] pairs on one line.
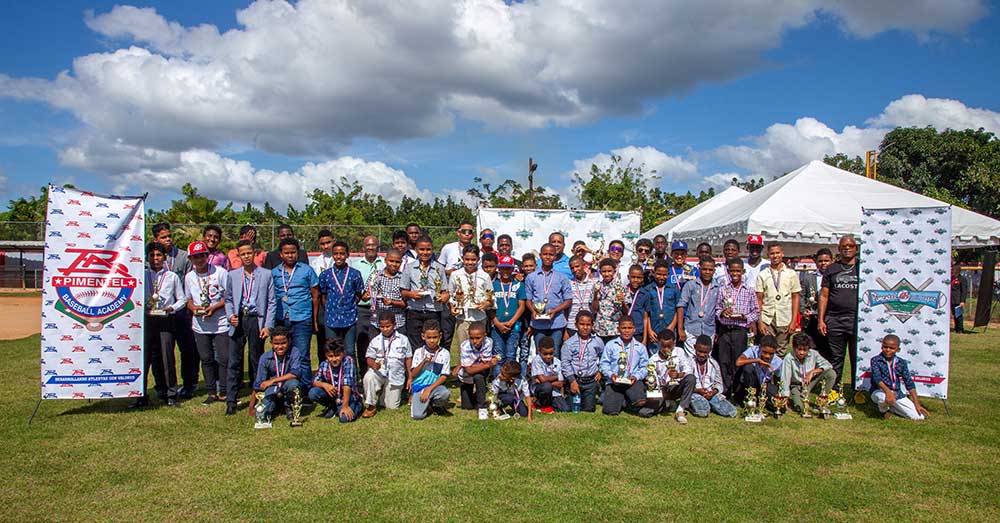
[[250, 308], [425, 288], [636, 304], [509, 299], [696, 307], [708, 389], [889, 374], [429, 372], [661, 299], [206, 292], [680, 271], [276, 375], [778, 290], [211, 236], [340, 288], [178, 263], [581, 362], [468, 288], [630, 391], [547, 378], [737, 312], [804, 368], [164, 298], [680, 392], [334, 383], [389, 357], [367, 265], [296, 289], [582, 286], [477, 358], [512, 390], [609, 295], [385, 292], [552, 289]]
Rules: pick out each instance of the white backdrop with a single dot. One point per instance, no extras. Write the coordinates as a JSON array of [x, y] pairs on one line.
[[904, 289], [92, 309], [530, 228]]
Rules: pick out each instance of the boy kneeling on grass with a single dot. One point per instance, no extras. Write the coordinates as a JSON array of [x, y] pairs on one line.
[[334, 383], [476, 360], [512, 390], [631, 392], [547, 378], [708, 388], [889, 374], [805, 369], [276, 374], [388, 356], [429, 372]]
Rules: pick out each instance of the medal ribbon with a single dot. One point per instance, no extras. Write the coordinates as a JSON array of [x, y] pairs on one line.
[[339, 285], [635, 298], [701, 373], [892, 372], [659, 296], [287, 282], [503, 294], [776, 280], [677, 278], [545, 288], [577, 291], [703, 294], [280, 371], [247, 287]]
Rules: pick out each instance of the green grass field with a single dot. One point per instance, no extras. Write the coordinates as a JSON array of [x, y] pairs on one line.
[[82, 461]]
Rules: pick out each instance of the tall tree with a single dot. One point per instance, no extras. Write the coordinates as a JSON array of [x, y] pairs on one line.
[[855, 165], [512, 195]]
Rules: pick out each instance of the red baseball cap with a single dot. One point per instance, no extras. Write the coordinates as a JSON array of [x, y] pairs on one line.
[[755, 239], [197, 248], [505, 261]]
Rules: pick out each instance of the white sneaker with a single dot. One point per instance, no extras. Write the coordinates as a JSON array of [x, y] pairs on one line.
[[679, 416], [483, 414]]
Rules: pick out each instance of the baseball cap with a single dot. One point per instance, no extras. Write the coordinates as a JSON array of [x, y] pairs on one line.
[[755, 239], [505, 261], [197, 248], [679, 245]]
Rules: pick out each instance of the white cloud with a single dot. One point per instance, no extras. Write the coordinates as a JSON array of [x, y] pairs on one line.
[[669, 168], [312, 76], [719, 181], [3, 180], [940, 113]]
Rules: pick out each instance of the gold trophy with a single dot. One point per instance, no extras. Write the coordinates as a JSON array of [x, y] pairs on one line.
[[458, 300], [490, 297], [296, 409], [202, 309], [806, 409], [539, 307], [842, 413], [261, 417], [599, 253], [671, 367], [823, 400], [623, 367], [751, 406], [780, 403], [155, 302], [652, 383], [437, 288]]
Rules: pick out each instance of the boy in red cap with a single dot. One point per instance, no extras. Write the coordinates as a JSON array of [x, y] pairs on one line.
[[206, 293], [509, 297], [754, 264]]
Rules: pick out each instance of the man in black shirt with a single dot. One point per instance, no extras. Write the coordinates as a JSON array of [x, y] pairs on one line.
[[959, 295], [273, 258], [838, 309]]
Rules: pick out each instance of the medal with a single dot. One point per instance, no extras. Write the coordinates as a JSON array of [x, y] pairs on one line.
[[776, 280], [659, 297], [701, 314], [287, 282], [336, 281]]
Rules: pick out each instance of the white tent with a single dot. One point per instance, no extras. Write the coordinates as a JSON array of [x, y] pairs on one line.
[[693, 214], [817, 204]]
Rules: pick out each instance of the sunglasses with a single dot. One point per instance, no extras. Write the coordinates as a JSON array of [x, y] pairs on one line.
[[616, 249], [644, 250], [486, 237], [465, 231]]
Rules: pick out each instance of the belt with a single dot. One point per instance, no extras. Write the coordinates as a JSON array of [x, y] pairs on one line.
[[586, 379]]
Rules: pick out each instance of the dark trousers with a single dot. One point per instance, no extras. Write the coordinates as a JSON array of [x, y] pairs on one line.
[[159, 346], [747, 378], [214, 352], [320, 334], [415, 325], [542, 392], [509, 400], [619, 396], [474, 394], [247, 334], [732, 343], [811, 327], [188, 349], [447, 328], [363, 337], [589, 390], [843, 343], [959, 321]]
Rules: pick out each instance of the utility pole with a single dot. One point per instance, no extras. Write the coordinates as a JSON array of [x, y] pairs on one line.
[[531, 183], [871, 164]]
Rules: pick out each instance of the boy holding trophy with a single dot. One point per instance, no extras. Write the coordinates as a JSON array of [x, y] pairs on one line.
[[511, 392], [547, 378], [759, 367], [164, 297], [277, 380], [624, 362], [389, 356], [673, 385], [429, 372]]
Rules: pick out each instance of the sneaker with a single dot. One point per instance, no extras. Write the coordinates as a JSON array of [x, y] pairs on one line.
[[679, 416], [230, 409], [646, 412], [369, 412], [210, 399], [185, 393], [547, 410], [329, 413], [173, 403], [138, 403]]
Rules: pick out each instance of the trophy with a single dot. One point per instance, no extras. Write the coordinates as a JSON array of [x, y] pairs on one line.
[[806, 409], [437, 288], [842, 413], [459, 299], [751, 407], [155, 301], [623, 368], [539, 307], [262, 419], [652, 383], [296, 409], [202, 309], [599, 253], [823, 401], [493, 407], [780, 403], [671, 367], [490, 297]]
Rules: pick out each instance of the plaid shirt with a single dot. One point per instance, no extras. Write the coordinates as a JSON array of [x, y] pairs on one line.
[[339, 376], [383, 286], [879, 368], [744, 302]]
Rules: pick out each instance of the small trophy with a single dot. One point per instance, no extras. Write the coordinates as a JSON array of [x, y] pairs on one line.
[[823, 401], [459, 300], [671, 367], [540, 307], [751, 407], [490, 297], [262, 419], [296, 409], [842, 413], [493, 407], [202, 310], [780, 403], [155, 303], [623, 368], [806, 408], [652, 383], [437, 288]]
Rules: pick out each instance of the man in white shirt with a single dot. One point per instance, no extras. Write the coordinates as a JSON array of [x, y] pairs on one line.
[[754, 264], [319, 264]]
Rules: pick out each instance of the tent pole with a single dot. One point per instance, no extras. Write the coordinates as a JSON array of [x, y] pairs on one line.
[[35, 411], [946, 411]]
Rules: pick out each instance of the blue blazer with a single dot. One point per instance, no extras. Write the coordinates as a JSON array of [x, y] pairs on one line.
[[265, 295]]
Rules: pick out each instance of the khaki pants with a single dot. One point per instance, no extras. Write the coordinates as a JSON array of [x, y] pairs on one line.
[[377, 388]]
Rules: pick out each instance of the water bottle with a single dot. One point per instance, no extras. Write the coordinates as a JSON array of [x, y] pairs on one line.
[[576, 403]]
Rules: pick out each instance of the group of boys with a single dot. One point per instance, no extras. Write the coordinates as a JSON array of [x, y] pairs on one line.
[[597, 326]]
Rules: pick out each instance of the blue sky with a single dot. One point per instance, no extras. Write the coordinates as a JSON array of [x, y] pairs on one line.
[[731, 92]]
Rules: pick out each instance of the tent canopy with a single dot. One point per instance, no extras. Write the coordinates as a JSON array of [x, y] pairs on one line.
[[695, 213], [815, 205]]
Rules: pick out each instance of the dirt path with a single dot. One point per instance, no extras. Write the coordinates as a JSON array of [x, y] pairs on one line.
[[20, 316]]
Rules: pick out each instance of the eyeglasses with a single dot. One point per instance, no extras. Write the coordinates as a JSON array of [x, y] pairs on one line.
[[465, 231]]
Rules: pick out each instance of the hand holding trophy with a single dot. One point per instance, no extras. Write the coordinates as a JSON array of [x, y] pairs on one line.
[[539, 308], [622, 376], [652, 383]]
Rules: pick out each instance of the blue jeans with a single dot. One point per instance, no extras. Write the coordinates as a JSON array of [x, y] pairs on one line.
[[718, 404], [506, 346], [348, 335], [285, 388], [320, 396], [555, 334], [301, 338]]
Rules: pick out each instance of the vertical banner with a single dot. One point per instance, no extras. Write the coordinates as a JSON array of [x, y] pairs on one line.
[[92, 297], [905, 290], [530, 228]]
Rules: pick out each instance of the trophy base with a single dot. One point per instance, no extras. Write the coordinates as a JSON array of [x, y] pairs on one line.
[[623, 381], [262, 425], [843, 416], [543, 316], [654, 395], [295, 423], [753, 418], [160, 313], [503, 417], [484, 414]]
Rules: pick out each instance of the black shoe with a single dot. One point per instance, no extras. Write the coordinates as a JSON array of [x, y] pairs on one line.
[[185, 393], [230, 409], [212, 398], [173, 403], [646, 412], [329, 413], [138, 404]]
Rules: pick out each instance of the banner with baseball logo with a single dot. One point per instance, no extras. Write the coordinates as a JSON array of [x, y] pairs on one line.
[[530, 228], [92, 298], [904, 290]]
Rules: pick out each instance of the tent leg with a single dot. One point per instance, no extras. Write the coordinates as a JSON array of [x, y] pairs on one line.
[[35, 411], [946, 411]]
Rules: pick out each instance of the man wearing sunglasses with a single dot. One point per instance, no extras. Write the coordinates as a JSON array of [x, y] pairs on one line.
[[451, 258]]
